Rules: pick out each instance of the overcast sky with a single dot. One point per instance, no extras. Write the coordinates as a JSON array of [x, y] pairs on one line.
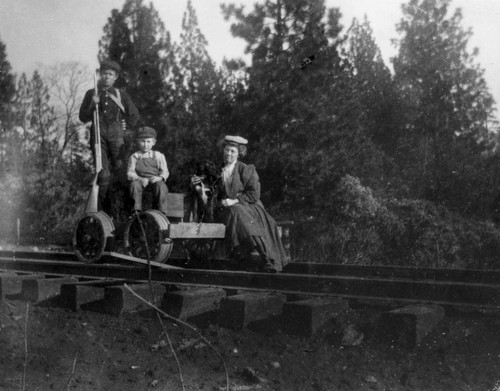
[[51, 31]]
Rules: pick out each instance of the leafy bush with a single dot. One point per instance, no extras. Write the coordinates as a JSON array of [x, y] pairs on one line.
[[10, 207], [359, 228], [364, 229], [435, 237], [51, 203]]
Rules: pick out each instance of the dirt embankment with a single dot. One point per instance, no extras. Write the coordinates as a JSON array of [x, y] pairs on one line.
[[49, 348]]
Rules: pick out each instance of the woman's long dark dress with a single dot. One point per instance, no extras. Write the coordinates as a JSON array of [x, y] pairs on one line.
[[248, 225]]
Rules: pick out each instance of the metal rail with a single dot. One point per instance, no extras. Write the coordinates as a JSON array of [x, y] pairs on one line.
[[366, 271], [48, 255], [486, 295], [403, 272]]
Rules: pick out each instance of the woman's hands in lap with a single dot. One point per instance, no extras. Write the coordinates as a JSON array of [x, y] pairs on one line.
[[226, 203]]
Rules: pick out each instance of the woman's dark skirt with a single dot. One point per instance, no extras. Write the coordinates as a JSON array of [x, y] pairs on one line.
[[250, 228]]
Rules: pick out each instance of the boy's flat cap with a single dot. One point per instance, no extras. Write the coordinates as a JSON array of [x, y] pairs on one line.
[[146, 132], [108, 64]]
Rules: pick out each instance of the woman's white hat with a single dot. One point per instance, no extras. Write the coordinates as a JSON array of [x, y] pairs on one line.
[[236, 139]]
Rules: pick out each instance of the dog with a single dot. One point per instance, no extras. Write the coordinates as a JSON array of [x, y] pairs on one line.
[[203, 190]]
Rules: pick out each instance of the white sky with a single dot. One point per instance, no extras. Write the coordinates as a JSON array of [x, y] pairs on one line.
[[51, 31]]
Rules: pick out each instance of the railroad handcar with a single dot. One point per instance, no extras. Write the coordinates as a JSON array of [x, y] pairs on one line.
[[154, 236]]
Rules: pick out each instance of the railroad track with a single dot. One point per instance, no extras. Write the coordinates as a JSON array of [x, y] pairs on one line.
[[470, 288]]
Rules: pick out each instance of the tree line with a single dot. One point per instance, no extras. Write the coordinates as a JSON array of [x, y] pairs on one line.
[[317, 103]]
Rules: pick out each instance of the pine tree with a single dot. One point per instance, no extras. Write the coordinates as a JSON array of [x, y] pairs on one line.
[[136, 38], [305, 116], [7, 91], [199, 75], [447, 102], [34, 124], [374, 85], [198, 87], [42, 120], [7, 83]]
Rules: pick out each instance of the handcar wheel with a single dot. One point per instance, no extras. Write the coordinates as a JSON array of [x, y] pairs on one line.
[[94, 233], [146, 236]]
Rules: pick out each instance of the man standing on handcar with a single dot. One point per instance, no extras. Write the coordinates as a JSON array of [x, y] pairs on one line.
[[117, 112]]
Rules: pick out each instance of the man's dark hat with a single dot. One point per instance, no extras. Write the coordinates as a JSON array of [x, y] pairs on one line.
[[108, 64], [146, 132]]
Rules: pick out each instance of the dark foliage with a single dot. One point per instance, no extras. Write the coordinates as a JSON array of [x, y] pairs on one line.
[[372, 167], [447, 106], [372, 230]]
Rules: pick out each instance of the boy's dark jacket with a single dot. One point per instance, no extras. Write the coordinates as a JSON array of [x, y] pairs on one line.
[[109, 112]]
